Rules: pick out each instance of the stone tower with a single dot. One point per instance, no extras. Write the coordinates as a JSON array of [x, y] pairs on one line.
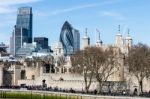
[[99, 42], [128, 40], [86, 40], [119, 39]]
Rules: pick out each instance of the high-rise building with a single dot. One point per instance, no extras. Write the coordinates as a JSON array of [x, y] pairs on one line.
[[42, 41], [12, 50], [76, 37], [23, 29], [70, 39], [24, 20], [20, 37]]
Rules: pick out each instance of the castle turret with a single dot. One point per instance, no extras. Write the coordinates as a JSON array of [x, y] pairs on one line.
[[99, 42], [128, 40], [119, 39], [86, 40]]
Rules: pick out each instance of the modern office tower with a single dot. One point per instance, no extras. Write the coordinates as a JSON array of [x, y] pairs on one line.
[[86, 40], [76, 36], [24, 20], [69, 37], [12, 51], [20, 37], [23, 29], [42, 41]]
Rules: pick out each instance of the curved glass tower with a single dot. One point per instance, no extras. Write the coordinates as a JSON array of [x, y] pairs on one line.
[[66, 38]]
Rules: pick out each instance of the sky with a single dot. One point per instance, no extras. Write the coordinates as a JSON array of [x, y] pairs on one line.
[[104, 15]]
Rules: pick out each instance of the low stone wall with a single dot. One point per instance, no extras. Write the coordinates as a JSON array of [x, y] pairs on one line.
[[66, 84]]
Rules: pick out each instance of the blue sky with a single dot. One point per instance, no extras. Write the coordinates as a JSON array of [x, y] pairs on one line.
[[105, 15]]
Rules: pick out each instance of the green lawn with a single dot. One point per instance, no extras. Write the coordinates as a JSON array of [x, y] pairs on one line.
[[21, 95]]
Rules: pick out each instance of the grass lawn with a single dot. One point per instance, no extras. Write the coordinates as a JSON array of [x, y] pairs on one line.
[[28, 95]]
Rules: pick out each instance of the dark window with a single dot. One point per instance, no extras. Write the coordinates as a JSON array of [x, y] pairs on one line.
[[23, 74], [33, 77]]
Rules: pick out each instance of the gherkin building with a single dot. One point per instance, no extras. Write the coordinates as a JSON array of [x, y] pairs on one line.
[[70, 39]]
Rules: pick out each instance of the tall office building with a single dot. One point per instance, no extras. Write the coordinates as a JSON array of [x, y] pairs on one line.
[[20, 37], [23, 29], [12, 51], [24, 20], [70, 39], [76, 37], [42, 42]]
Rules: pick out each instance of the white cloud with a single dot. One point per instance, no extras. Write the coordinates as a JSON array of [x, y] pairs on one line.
[[115, 15], [7, 6], [14, 2], [73, 9], [61, 11], [5, 10]]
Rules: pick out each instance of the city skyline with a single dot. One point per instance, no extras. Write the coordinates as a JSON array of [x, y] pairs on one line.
[[105, 15]]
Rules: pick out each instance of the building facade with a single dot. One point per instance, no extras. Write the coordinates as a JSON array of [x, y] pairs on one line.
[[76, 37], [24, 20], [42, 41], [20, 37]]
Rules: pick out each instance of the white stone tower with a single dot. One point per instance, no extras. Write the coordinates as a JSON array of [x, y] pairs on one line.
[[128, 40], [120, 45], [119, 39], [99, 42], [86, 40]]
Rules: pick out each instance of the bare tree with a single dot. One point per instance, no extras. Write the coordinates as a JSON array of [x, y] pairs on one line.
[[82, 63], [95, 63], [106, 60], [138, 61]]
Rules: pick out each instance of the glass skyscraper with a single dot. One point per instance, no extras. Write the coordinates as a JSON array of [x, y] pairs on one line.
[[76, 37], [23, 29], [70, 39], [20, 37], [24, 20]]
